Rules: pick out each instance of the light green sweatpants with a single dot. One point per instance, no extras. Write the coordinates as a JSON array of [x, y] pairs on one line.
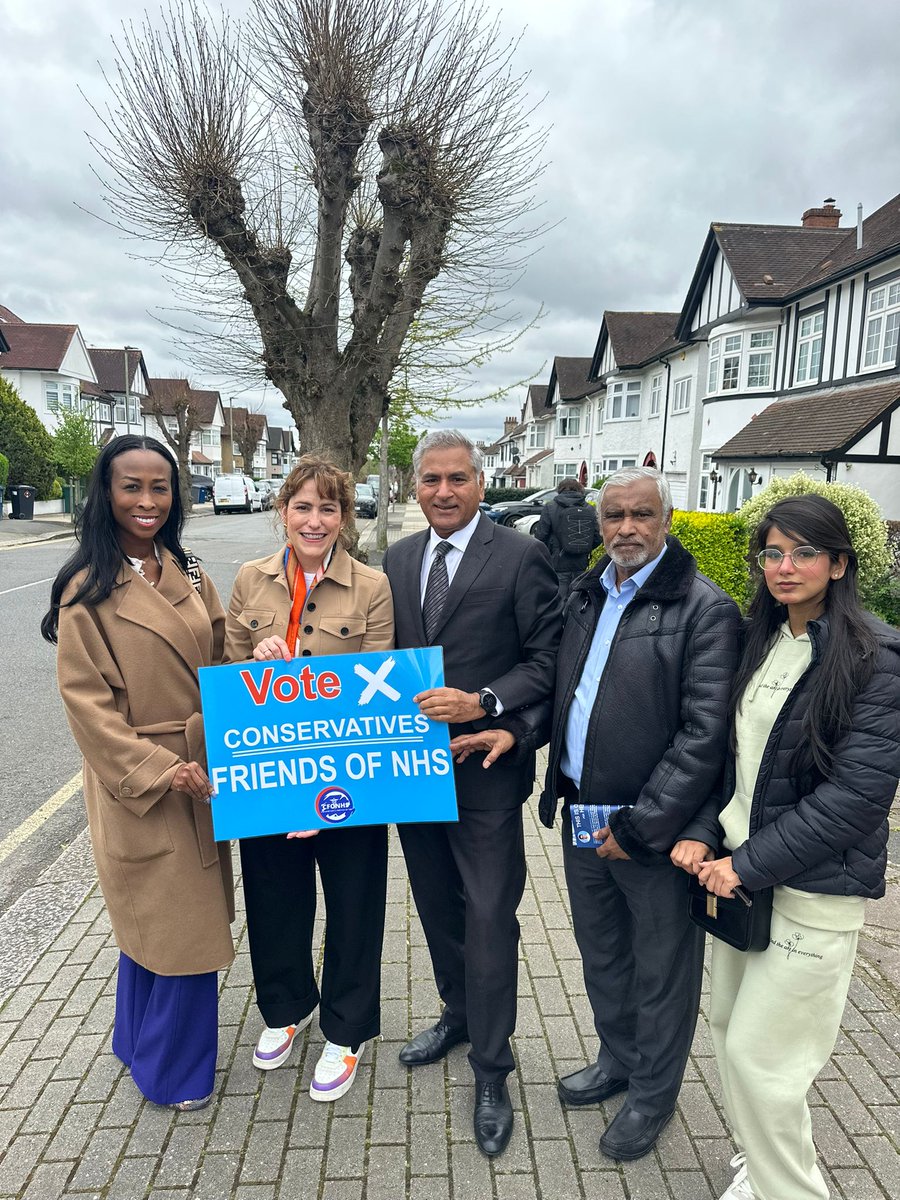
[[775, 1017]]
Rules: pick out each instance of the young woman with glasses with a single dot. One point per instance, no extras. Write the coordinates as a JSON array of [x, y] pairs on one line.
[[807, 792]]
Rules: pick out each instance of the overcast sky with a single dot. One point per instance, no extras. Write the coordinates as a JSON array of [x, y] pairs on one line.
[[665, 115]]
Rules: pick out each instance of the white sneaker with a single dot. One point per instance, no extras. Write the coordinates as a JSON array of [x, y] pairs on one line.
[[275, 1045], [335, 1072], [740, 1186]]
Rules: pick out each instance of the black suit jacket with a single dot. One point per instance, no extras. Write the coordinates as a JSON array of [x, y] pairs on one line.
[[499, 629]]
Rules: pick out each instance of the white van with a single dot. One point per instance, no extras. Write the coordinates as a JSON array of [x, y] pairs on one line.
[[236, 493]]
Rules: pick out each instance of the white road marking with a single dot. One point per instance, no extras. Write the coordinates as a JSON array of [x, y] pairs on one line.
[[6, 591], [32, 824]]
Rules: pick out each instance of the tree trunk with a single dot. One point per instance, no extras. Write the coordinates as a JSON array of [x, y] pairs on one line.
[[383, 487]]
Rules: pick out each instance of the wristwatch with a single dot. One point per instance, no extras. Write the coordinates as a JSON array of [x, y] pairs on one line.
[[488, 701]]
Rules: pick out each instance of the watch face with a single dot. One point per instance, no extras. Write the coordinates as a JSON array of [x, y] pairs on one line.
[[488, 702]]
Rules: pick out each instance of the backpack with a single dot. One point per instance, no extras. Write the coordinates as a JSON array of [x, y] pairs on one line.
[[577, 529]]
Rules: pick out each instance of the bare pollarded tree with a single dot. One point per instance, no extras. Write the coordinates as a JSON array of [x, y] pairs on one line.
[[320, 170]]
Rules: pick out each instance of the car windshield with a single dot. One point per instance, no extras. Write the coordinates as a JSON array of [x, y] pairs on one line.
[[364, 489]]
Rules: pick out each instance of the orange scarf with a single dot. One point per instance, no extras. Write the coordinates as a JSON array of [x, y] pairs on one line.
[[299, 596]]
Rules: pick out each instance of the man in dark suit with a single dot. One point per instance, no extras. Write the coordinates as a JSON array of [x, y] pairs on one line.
[[488, 596]]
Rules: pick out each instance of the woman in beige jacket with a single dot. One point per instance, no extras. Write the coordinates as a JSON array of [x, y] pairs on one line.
[[312, 598], [132, 629]]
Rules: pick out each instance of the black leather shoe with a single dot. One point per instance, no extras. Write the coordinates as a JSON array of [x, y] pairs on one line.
[[590, 1085], [431, 1045], [632, 1135], [493, 1118]]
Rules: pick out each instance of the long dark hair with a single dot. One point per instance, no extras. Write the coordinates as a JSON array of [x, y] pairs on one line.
[[848, 658], [98, 551]]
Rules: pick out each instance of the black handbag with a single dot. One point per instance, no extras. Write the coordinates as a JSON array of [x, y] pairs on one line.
[[743, 921]]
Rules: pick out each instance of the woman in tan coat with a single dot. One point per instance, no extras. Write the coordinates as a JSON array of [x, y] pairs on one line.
[[132, 628], [313, 598]]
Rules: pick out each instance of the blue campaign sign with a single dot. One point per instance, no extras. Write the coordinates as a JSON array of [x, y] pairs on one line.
[[321, 743]]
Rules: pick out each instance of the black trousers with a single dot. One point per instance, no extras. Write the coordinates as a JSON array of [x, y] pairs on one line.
[[467, 879], [279, 876], [643, 967]]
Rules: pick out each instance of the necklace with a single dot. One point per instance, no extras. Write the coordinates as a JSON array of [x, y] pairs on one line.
[[137, 564]]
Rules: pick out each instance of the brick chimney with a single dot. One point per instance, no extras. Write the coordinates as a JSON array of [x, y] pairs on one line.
[[826, 217], [509, 424]]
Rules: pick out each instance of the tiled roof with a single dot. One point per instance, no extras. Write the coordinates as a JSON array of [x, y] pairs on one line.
[[813, 424], [98, 393], [539, 394], [37, 347], [536, 458], [165, 392], [881, 234], [572, 377], [639, 336], [7, 316], [782, 253], [204, 404], [276, 437], [109, 367]]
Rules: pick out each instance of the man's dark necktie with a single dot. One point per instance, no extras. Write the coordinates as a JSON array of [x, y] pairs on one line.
[[436, 589]]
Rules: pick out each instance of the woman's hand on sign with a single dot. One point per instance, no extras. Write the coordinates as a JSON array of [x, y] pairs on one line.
[[272, 647], [303, 833], [494, 741], [191, 779]]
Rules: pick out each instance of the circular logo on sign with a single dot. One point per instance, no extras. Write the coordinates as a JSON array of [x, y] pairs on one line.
[[583, 836], [334, 805]]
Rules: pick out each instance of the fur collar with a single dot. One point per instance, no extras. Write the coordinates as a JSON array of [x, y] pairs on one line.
[[670, 581]]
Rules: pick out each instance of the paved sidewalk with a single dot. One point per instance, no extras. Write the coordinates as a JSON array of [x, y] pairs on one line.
[[74, 1125]]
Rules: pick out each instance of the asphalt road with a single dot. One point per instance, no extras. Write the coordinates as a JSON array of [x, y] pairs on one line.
[[37, 754]]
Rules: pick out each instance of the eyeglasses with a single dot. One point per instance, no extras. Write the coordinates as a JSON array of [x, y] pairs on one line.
[[771, 558]]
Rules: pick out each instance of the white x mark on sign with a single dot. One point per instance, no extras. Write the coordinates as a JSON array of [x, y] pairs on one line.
[[376, 681]]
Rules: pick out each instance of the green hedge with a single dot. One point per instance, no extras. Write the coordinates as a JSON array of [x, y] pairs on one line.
[[496, 495], [4, 470], [720, 543]]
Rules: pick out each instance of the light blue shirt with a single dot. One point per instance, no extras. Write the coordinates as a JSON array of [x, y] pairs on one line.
[[617, 600]]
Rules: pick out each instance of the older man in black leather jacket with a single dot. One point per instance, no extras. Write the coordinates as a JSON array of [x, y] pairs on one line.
[[648, 652]]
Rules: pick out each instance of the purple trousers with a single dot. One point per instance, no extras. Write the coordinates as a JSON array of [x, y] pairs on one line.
[[166, 1031]]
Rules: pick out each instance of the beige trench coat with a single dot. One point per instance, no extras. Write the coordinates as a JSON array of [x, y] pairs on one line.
[[127, 671], [350, 611]]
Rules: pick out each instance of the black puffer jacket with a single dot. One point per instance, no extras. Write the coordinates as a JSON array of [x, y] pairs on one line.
[[817, 834], [657, 734]]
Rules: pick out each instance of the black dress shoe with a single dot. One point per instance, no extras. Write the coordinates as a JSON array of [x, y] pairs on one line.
[[590, 1085], [632, 1135], [493, 1118], [431, 1045]]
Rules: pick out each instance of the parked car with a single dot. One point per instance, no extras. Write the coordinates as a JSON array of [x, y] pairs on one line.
[[236, 493], [267, 492], [374, 482], [525, 514], [366, 501]]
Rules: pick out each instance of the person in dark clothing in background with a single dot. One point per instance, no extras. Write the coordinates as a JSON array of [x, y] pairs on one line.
[[569, 529]]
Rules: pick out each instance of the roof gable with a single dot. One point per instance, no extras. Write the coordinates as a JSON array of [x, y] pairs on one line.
[[37, 347], [639, 337], [109, 367]]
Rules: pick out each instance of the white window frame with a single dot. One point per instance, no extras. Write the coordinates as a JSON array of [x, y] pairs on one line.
[[810, 339], [617, 464], [882, 326], [564, 470], [704, 493], [624, 400], [60, 395], [568, 420], [656, 389], [536, 436], [732, 356], [681, 395], [760, 355]]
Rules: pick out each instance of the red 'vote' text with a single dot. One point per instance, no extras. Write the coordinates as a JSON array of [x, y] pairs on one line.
[[287, 688]]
